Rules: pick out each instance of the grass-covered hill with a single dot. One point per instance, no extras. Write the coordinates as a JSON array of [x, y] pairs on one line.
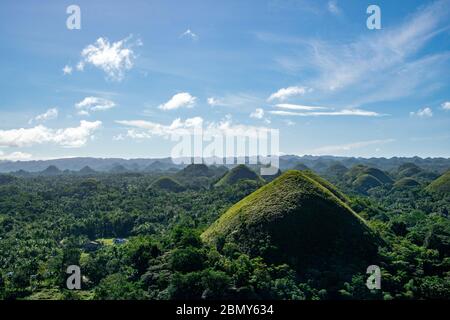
[[441, 184], [239, 173], [295, 219], [406, 183], [195, 171], [362, 178], [167, 184]]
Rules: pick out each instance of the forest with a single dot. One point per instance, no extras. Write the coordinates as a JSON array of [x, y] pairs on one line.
[[219, 232]]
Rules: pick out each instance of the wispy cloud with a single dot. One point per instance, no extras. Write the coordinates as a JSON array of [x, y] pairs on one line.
[[66, 137], [380, 66], [298, 107], [142, 129], [344, 112], [286, 93], [333, 7], [92, 104], [422, 113], [50, 114], [343, 148], [257, 114], [189, 34], [15, 156], [179, 100], [446, 105]]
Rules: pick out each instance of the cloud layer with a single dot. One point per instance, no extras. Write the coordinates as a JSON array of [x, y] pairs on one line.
[[67, 137]]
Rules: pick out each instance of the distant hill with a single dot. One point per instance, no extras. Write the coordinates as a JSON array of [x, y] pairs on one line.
[[167, 184], [239, 173], [296, 220], [300, 167], [363, 178], [196, 170], [408, 170], [406, 183], [336, 170], [440, 185], [87, 171], [118, 168], [51, 171], [317, 163]]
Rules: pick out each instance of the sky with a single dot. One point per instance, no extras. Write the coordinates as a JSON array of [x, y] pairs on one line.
[[137, 71]]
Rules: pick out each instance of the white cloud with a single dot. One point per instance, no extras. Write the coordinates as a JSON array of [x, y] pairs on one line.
[[67, 70], [80, 66], [92, 104], [189, 34], [15, 156], [183, 99], [113, 58], [50, 114], [285, 93], [289, 123], [244, 101], [214, 102], [333, 7], [257, 114], [298, 107], [344, 112], [446, 105], [343, 148], [422, 113], [67, 137], [143, 129]]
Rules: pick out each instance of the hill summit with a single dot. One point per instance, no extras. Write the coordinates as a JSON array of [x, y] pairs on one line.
[[296, 219], [239, 173]]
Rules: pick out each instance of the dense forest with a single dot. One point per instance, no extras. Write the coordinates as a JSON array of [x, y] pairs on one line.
[[227, 233]]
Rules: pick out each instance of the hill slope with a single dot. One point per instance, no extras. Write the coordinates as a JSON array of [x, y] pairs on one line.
[[167, 184], [239, 173], [296, 220], [441, 184]]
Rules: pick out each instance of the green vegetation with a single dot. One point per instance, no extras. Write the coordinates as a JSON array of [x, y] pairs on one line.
[[297, 237]]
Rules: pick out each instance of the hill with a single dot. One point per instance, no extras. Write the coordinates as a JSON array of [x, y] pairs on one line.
[[87, 171], [296, 220], [239, 173], [406, 183], [51, 171], [196, 170], [440, 185], [167, 184]]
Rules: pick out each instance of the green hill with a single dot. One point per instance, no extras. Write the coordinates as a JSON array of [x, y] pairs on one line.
[[196, 170], [336, 170], [167, 184], [51, 171], [440, 185], [406, 183], [363, 178], [296, 220], [239, 173], [408, 170]]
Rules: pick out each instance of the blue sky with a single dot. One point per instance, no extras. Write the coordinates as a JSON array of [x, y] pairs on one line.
[[138, 69]]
